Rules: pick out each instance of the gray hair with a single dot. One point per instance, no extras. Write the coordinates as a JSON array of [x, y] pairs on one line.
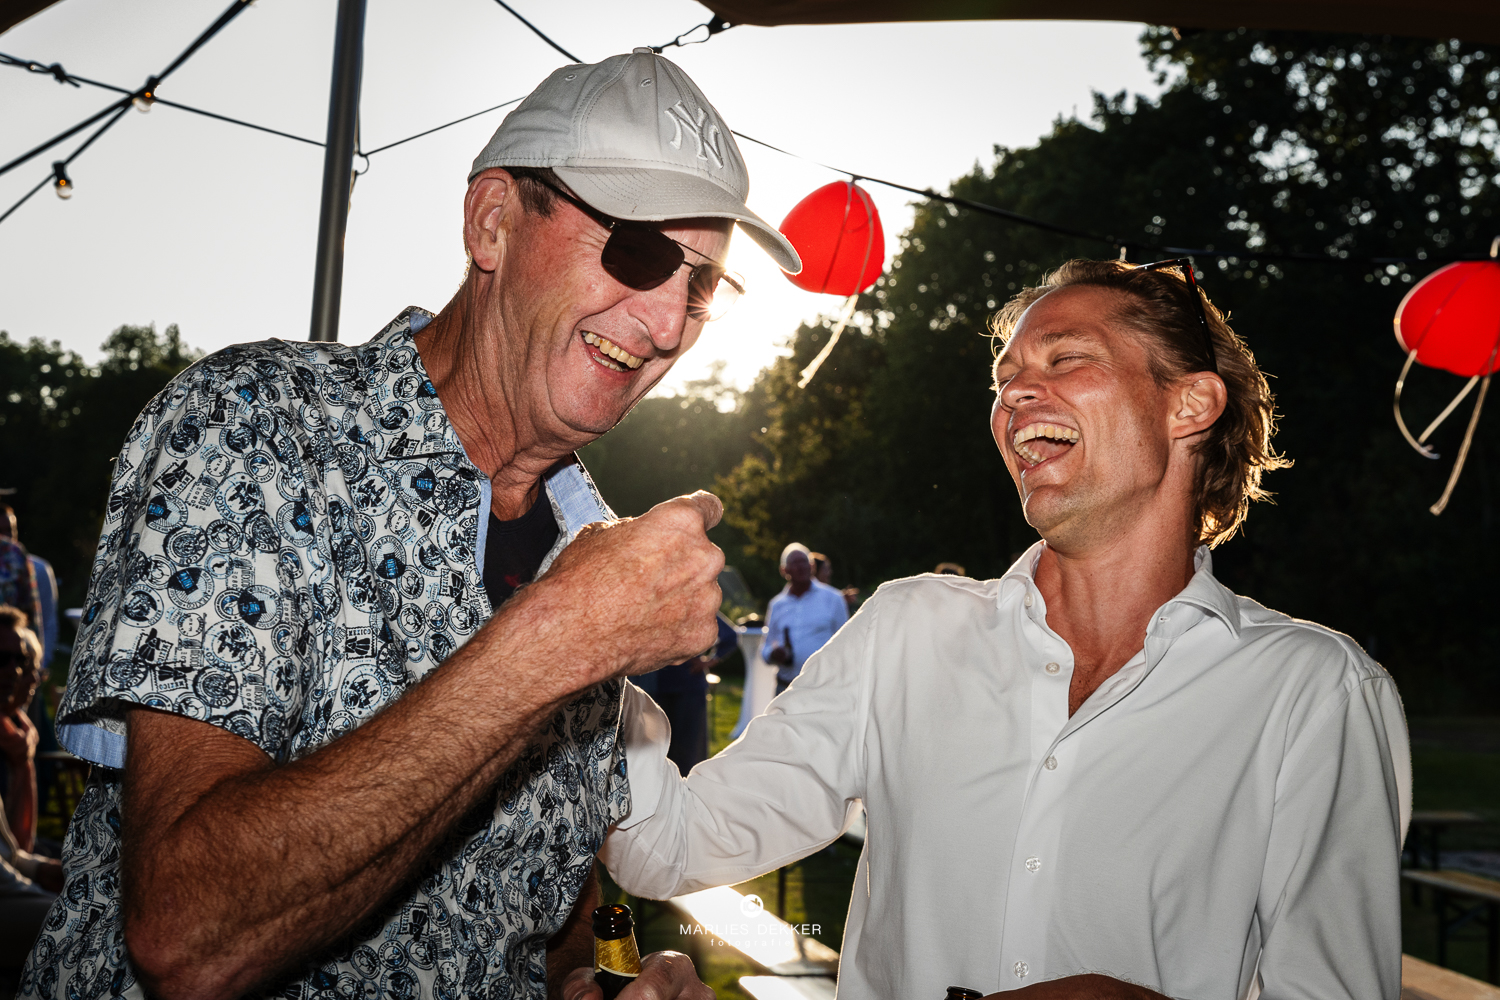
[[794, 547]]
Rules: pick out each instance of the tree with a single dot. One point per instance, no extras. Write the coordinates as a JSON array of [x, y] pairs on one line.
[[1262, 142]]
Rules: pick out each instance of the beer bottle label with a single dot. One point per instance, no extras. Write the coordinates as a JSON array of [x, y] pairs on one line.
[[619, 956]]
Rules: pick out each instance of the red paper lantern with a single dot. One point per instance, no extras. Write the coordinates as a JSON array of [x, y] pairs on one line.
[[837, 233], [1452, 318]]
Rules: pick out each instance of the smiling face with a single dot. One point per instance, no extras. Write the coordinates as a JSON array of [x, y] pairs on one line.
[[1084, 429], [585, 347]]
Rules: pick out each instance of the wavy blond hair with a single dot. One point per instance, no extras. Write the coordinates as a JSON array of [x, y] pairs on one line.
[[1237, 450]]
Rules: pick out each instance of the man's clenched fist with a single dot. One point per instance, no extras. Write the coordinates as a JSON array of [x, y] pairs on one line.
[[632, 596]]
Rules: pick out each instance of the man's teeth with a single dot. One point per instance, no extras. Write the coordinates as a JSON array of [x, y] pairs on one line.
[[1054, 432], [613, 350]]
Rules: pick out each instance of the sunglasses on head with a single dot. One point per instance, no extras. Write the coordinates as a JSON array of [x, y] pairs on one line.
[[642, 257], [1185, 265]]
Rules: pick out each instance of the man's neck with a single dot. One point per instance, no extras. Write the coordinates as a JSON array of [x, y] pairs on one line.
[[798, 589], [479, 392], [1100, 600]]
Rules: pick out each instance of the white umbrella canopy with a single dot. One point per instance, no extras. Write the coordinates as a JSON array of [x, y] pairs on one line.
[[1472, 20]]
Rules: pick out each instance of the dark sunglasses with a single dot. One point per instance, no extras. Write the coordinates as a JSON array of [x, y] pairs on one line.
[[641, 257], [1185, 265]]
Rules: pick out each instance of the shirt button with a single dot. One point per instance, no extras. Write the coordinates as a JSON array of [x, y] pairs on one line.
[[1021, 969], [1162, 618], [1050, 763], [1052, 668], [1028, 600], [1033, 864]]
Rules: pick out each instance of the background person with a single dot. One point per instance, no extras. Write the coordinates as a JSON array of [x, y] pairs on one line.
[[46, 590], [18, 579], [682, 692], [801, 618], [1163, 789], [822, 567], [350, 663], [28, 882]]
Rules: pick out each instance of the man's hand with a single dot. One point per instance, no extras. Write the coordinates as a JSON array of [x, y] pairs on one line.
[[779, 656], [18, 738], [665, 975], [1089, 987], [630, 597]]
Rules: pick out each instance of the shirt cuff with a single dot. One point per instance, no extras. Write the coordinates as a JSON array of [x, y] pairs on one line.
[[647, 735]]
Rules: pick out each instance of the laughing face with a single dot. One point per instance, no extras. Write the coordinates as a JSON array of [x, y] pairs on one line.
[[1084, 429], [594, 346]]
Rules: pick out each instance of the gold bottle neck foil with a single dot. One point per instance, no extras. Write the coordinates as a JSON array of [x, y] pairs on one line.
[[619, 956]]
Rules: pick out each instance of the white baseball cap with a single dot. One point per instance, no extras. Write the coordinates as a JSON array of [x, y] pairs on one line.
[[636, 139]]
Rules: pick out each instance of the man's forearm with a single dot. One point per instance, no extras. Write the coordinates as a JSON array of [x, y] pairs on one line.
[[267, 868], [20, 803]]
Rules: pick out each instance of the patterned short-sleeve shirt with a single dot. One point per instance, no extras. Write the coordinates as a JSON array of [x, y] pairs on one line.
[[294, 536]]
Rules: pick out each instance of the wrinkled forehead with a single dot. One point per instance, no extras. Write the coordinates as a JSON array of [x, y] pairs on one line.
[[1082, 313]]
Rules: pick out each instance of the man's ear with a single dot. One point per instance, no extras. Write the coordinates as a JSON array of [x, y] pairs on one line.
[[1198, 402], [490, 210]]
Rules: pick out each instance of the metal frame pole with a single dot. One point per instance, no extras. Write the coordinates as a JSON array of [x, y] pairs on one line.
[[338, 168]]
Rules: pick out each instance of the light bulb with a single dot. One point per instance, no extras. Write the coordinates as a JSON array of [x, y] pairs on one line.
[[60, 182], [146, 97]]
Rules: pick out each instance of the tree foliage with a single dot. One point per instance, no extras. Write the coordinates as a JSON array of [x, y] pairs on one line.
[[1262, 143]]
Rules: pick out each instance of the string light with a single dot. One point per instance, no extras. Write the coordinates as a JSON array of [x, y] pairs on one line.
[[60, 182], [146, 97]]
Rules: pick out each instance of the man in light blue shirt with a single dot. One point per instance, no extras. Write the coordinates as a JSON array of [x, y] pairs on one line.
[[802, 617]]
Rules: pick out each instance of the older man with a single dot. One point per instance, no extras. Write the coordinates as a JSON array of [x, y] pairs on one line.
[[1103, 774], [343, 748], [802, 618]]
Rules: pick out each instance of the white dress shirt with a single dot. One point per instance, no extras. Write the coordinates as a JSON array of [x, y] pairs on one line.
[[1223, 816], [810, 618]]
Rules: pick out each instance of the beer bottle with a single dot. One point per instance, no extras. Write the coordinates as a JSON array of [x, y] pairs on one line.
[[790, 658], [617, 961], [962, 993]]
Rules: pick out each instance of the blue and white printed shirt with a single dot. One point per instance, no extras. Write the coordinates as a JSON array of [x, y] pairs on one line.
[[294, 537]]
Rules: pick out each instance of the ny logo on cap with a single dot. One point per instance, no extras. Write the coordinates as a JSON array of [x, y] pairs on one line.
[[708, 140]]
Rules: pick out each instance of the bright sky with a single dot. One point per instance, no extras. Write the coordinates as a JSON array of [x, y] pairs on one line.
[[181, 219]]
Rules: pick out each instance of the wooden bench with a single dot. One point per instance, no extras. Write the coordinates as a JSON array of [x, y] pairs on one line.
[[1483, 896], [1424, 981]]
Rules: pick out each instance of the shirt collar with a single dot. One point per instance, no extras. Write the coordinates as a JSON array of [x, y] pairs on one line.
[[1206, 592], [397, 378], [393, 361], [1203, 591]]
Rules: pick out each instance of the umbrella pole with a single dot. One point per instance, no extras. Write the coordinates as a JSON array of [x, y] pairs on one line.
[[338, 168]]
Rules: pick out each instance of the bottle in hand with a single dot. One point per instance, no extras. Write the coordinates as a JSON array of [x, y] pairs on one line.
[[617, 960]]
